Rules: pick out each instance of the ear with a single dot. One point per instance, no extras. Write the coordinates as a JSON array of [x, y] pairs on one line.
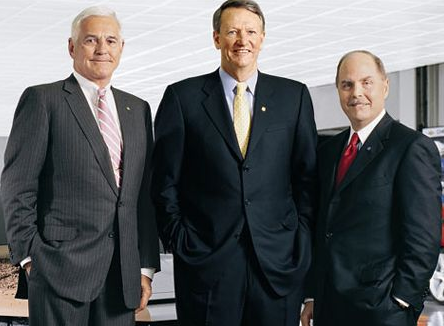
[[216, 39], [262, 36], [387, 88], [71, 47]]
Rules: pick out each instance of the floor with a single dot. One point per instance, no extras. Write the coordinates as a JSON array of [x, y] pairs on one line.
[[161, 308]]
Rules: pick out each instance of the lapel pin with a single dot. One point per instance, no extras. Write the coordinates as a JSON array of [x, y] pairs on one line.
[[369, 148], [263, 109], [128, 108]]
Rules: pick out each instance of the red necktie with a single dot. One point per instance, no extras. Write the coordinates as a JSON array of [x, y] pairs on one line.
[[347, 158], [110, 133]]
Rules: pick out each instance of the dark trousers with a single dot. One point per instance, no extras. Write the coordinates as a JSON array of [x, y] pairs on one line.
[[48, 309], [336, 311], [242, 297]]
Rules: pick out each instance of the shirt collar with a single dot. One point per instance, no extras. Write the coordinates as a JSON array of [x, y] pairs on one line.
[[229, 83], [365, 132], [90, 88]]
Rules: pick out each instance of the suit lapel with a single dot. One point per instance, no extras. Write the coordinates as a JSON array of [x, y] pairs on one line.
[[263, 99], [216, 107], [370, 149], [82, 112]]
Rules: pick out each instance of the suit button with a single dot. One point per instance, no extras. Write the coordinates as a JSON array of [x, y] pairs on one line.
[[120, 204], [247, 202], [246, 168], [328, 235], [111, 234]]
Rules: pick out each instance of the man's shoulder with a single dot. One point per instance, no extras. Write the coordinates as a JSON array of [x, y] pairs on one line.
[[280, 81], [195, 81], [56, 85], [401, 134], [128, 96]]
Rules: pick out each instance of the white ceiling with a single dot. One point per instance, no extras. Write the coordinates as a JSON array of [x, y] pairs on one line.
[[170, 40]]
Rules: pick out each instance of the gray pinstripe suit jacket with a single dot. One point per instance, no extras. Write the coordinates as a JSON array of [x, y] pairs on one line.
[[62, 206]]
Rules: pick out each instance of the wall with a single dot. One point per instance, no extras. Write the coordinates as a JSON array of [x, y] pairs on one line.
[[400, 104]]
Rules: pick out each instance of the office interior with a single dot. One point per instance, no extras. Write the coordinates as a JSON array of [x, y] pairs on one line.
[[171, 40]]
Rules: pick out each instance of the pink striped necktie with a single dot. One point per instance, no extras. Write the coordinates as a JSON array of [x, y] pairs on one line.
[[111, 135]]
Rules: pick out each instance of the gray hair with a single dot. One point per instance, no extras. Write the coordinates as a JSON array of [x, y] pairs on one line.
[[250, 5], [376, 59], [91, 11]]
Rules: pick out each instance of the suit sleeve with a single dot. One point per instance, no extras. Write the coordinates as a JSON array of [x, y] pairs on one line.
[[24, 160], [418, 212], [147, 229], [169, 133], [304, 161]]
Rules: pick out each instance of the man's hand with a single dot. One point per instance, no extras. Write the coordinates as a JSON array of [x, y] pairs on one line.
[[146, 293], [27, 268], [307, 314]]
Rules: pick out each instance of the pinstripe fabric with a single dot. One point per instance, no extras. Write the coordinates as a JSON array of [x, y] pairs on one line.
[[62, 205]]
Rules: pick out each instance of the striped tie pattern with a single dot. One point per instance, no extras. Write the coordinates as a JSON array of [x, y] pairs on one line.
[[110, 133], [241, 117]]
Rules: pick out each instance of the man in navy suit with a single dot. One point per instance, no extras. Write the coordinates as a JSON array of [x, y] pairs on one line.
[[235, 204], [378, 229], [77, 161]]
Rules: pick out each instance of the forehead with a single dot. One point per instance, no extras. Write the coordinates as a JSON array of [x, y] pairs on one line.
[[99, 24], [358, 65], [239, 16]]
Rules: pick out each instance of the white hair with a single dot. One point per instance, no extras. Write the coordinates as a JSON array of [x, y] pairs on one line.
[[91, 11]]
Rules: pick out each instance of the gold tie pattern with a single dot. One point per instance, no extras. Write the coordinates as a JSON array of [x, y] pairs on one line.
[[241, 117]]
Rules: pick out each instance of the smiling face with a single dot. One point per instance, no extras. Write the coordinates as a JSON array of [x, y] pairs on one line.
[[362, 89], [96, 51], [239, 41]]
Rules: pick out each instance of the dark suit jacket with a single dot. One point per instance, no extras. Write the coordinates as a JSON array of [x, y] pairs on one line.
[[205, 192], [62, 205], [378, 234]]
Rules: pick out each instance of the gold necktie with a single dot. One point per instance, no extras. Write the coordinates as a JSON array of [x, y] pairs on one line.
[[241, 117]]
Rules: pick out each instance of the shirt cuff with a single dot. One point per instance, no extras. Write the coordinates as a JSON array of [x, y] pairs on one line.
[[25, 261], [306, 300], [148, 272], [402, 302]]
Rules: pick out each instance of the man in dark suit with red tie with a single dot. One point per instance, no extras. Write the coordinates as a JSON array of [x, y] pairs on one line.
[[75, 188], [234, 194], [378, 228]]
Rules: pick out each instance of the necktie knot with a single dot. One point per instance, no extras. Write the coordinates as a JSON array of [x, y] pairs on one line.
[[101, 92], [355, 139], [241, 88]]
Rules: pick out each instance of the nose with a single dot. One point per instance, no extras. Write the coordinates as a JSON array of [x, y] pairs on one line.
[[101, 46], [242, 37], [357, 90]]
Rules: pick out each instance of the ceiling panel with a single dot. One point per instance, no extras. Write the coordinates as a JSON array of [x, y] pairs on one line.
[[172, 39]]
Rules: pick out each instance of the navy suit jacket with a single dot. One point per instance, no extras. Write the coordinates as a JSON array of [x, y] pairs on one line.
[[206, 193], [378, 234]]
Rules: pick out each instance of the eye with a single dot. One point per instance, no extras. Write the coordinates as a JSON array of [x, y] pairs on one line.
[[90, 40], [368, 83], [252, 32], [346, 85], [232, 32], [112, 41]]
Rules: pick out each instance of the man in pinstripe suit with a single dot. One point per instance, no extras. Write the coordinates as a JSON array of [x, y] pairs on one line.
[[76, 164]]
